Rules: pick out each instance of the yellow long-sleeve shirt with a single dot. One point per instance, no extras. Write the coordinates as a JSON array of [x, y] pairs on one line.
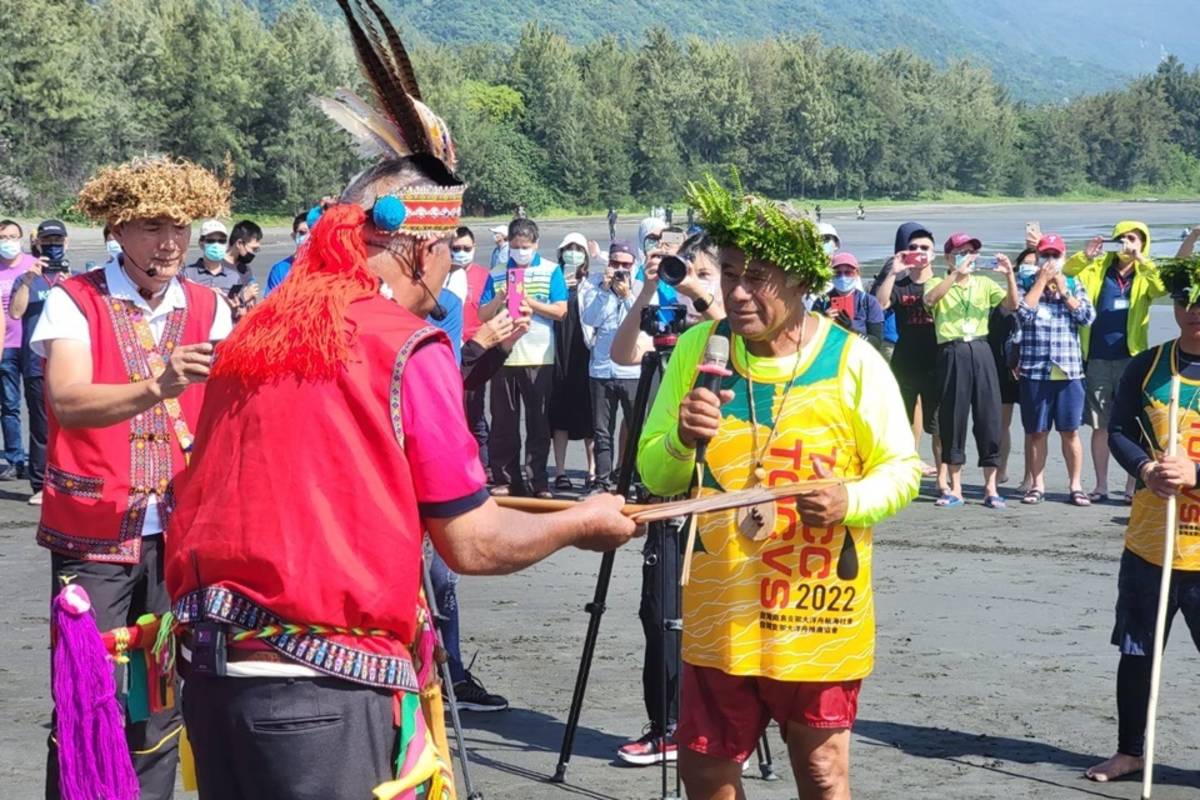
[[797, 605]]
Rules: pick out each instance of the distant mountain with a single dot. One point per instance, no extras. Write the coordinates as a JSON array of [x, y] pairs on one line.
[[1040, 49]]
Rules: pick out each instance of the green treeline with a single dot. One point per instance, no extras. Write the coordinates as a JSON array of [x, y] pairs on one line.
[[550, 124]]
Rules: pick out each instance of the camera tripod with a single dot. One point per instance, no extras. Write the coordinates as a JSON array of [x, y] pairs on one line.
[[671, 624]]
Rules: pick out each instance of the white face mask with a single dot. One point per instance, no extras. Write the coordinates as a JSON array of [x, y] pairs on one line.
[[829, 246], [10, 249], [521, 256], [462, 258], [572, 259]]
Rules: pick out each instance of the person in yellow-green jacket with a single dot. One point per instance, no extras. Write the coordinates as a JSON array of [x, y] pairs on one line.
[[778, 614], [1121, 285]]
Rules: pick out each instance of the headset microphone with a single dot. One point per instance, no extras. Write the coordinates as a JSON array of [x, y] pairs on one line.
[[439, 312]]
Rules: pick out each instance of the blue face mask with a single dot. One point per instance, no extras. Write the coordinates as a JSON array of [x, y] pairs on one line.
[[214, 251], [113, 247], [54, 252], [844, 283], [10, 249], [300, 238]]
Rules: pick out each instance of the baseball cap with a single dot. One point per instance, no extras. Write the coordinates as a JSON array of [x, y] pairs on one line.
[[958, 240], [573, 238], [619, 248], [51, 227], [499, 230], [211, 226], [1051, 242], [844, 259], [825, 229]]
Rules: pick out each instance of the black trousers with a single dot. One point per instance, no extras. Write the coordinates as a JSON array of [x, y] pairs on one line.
[[473, 404], [120, 594], [288, 738], [511, 388], [969, 385], [39, 430], [660, 598], [607, 395]]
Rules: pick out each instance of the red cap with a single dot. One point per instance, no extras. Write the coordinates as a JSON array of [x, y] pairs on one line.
[[844, 259], [1051, 241], [957, 240]]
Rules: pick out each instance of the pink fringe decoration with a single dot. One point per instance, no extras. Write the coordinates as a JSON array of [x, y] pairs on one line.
[[93, 758]]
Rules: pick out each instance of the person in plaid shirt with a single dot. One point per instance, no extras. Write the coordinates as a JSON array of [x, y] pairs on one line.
[[1051, 384]]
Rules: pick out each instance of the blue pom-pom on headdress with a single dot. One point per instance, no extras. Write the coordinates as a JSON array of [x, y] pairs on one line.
[[389, 213], [314, 214]]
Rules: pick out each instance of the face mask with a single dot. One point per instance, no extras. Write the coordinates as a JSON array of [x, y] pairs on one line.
[[521, 256], [301, 238], [54, 252], [10, 249], [649, 244], [828, 247], [461, 259], [961, 259], [244, 260], [844, 283], [572, 259], [113, 247], [214, 251], [1027, 271]]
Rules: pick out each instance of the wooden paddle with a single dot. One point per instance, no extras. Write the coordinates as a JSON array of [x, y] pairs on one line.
[[680, 508]]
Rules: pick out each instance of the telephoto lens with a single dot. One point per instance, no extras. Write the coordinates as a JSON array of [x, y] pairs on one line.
[[672, 270]]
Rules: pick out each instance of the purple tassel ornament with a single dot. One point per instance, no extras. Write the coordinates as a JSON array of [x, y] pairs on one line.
[[93, 758]]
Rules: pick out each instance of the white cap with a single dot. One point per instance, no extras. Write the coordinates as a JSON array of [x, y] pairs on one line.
[[210, 226], [828, 230], [500, 230], [573, 238]]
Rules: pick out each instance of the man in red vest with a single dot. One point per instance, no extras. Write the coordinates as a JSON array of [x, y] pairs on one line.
[[336, 412], [127, 350]]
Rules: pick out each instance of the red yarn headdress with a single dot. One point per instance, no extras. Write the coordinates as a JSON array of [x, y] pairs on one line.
[[299, 330]]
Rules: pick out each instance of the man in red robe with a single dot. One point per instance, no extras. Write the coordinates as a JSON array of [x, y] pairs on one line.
[[335, 413]]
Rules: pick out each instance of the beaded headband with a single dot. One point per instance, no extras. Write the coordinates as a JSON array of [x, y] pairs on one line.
[[423, 212]]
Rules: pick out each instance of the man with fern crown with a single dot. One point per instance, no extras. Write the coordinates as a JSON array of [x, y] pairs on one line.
[[310, 666], [1137, 436], [778, 619]]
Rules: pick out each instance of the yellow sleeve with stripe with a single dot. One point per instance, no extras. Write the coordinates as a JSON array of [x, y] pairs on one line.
[[665, 464], [891, 468]]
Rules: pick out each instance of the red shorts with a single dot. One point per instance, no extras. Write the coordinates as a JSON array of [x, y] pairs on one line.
[[724, 715]]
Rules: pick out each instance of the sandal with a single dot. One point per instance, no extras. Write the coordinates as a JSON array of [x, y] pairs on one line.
[[995, 501], [1098, 497], [948, 501], [1033, 497], [544, 494], [1128, 498], [1079, 498], [563, 483]]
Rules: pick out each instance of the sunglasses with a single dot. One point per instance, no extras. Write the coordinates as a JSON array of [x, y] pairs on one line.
[[461, 249], [925, 248], [213, 240]]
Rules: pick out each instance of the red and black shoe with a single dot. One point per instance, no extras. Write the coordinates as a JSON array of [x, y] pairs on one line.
[[651, 748]]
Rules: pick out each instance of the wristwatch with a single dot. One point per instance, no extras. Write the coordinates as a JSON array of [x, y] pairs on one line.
[[702, 305]]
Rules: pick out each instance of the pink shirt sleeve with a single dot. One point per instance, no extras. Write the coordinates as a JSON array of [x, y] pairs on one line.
[[441, 451]]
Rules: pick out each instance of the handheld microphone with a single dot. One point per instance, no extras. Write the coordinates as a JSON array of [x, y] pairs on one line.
[[709, 375]]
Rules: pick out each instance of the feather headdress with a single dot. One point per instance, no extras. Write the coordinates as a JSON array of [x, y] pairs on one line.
[[399, 126]]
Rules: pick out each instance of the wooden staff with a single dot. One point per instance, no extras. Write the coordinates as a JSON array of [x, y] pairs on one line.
[[722, 501], [1164, 588]]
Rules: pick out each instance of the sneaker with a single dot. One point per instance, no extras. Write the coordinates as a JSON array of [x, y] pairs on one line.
[[471, 696], [652, 748], [36, 499], [8, 473]]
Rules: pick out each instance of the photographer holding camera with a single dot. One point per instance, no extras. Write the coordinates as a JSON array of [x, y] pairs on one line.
[[605, 301], [692, 273], [28, 298]]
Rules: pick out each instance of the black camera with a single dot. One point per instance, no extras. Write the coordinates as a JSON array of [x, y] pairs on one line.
[[661, 321], [672, 270], [62, 265]]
